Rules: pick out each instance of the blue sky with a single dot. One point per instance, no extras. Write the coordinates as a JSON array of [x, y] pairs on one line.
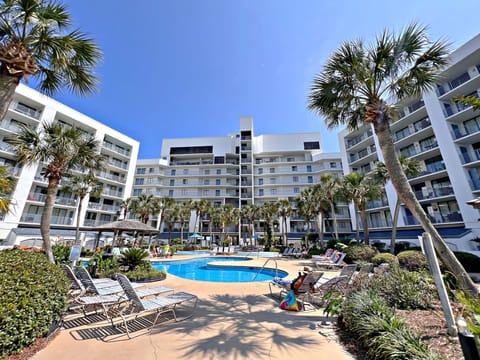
[[185, 68]]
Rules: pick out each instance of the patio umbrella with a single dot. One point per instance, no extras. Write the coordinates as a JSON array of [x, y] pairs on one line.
[[195, 236]]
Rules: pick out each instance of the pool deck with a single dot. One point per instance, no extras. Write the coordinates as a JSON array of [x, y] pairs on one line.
[[231, 321]]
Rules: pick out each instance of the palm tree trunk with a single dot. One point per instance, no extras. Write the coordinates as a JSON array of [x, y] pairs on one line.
[[363, 215], [405, 193], [320, 229], [285, 233], [46, 218], [79, 211], [394, 226], [8, 84], [335, 225], [357, 223]]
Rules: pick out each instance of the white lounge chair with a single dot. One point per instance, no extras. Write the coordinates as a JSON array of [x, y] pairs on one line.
[[337, 262], [159, 304]]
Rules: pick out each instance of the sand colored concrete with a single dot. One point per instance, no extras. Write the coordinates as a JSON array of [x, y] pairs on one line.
[[231, 321]]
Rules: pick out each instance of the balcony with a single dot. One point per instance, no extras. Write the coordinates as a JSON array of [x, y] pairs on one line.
[[93, 222], [436, 219], [118, 164], [429, 193], [377, 203], [59, 200], [112, 192], [26, 110], [56, 220], [109, 208], [120, 179], [358, 139], [470, 156], [116, 149]]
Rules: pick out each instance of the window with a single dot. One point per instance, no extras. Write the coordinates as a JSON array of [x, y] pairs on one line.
[[184, 192], [185, 171], [260, 181], [290, 159], [294, 168], [260, 192], [296, 190], [141, 170], [295, 179], [137, 192], [139, 181], [311, 145], [184, 181], [273, 191], [151, 170], [217, 192], [219, 171], [173, 172], [172, 182], [207, 172], [260, 171], [206, 182], [273, 180], [310, 179], [333, 165], [206, 192], [217, 182], [272, 170], [309, 168]]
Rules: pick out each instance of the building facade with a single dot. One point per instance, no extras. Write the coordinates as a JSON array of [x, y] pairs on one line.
[[240, 169], [443, 135], [31, 108]]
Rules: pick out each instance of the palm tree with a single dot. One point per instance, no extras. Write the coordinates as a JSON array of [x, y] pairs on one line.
[[199, 207], [330, 192], [411, 168], [7, 186], [310, 206], [250, 213], [285, 210], [144, 206], [361, 83], [228, 215], [34, 42], [360, 188], [269, 212], [82, 185], [126, 205], [471, 100], [183, 216], [63, 149], [165, 204]]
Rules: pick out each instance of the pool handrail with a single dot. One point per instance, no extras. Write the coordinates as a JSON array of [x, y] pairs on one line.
[[263, 267]]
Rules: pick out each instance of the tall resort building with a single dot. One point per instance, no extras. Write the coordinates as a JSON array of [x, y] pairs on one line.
[[30, 108], [444, 136], [240, 169]]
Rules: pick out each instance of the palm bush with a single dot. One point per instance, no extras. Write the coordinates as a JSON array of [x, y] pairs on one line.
[[133, 257], [470, 262], [369, 318], [406, 289], [412, 260], [359, 253], [383, 258]]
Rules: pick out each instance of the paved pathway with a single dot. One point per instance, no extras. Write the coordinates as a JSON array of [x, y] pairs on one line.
[[232, 321]]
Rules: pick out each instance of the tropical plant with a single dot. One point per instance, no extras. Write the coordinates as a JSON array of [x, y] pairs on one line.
[[200, 207], [269, 213], [64, 150], [125, 206], [411, 168], [309, 206], [7, 186], [184, 216], [83, 185], [472, 101], [133, 257], [359, 253], [285, 210], [356, 86], [34, 42], [385, 258], [165, 204], [360, 188], [228, 215], [250, 213], [144, 206], [412, 260]]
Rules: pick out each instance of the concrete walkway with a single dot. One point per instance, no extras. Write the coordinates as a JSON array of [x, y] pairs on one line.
[[231, 321]]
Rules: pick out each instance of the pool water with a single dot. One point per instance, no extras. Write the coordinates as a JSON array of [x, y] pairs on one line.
[[198, 269]]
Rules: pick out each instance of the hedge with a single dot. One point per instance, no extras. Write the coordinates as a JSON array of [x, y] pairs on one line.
[[33, 297]]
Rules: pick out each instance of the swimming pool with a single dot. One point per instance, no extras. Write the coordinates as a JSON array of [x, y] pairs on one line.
[[186, 252], [198, 269]]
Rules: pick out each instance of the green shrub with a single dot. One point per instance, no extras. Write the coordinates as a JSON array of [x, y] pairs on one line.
[[366, 314], [406, 289], [355, 253], [470, 262], [133, 257], [33, 297], [145, 271], [61, 253], [382, 258], [412, 260]]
